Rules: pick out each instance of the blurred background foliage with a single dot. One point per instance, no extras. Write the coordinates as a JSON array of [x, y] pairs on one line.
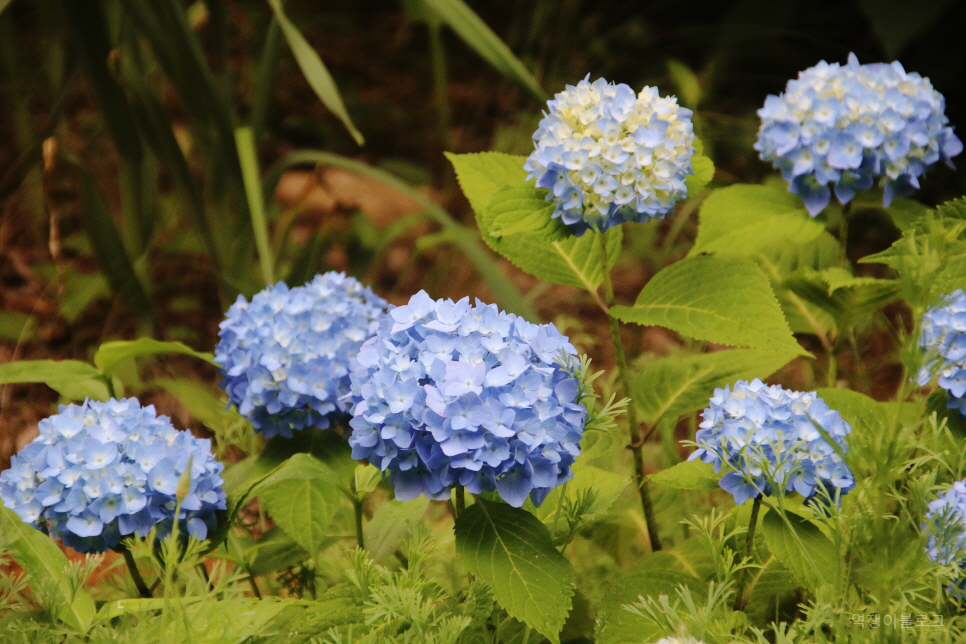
[[162, 157]]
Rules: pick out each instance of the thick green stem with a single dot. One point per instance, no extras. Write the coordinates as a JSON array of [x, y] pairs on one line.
[[740, 599], [633, 428], [135, 573]]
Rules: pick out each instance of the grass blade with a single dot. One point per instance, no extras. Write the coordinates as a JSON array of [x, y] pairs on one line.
[[314, 69], [245, 142], [109, 249], [487, 44]]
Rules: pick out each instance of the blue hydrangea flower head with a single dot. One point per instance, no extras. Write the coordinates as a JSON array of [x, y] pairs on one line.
[[769, 439], [608, 156], [945, 528], [101, 471], [286, 355], [944, 340], [449, 394], [839, 127]]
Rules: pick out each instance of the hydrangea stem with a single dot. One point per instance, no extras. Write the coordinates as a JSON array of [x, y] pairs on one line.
[[142, 587], [633, 427], [740, 599]]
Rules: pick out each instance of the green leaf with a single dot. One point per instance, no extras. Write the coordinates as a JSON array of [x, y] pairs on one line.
[[523, 210], [686, 82], [275, 551], [237, 619], [744, 219], [110, 354], [390, 525], [4, 4], [802, 548], [314, 70], [574, 261], [512, 551], [44, 562], [868, 418], [722, 300], [487, 44], [772, 584], [845, 297], [571, 261], [606, 486], [953, 209], [302, 497], [905, 212], [688, 475], [703, 169], [72, 379], [930, 257], [781, 261], [658, 573], [482, 174], [678, 385]]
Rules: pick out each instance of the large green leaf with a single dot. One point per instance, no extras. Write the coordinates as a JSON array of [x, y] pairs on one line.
[[722, 300], [605, 486], [780, 261], [677, 385], [523, 209], [802, 548], [658, 573], [575, 261], [481, 174], [845, 297], [390, 525], [314, 70], [72, 379], [703, 169], [689, 475], [572, 261], [110, 354], [743, 219], [44, 563], [930, 258], [511, 550], [487, 44], [302, 497]]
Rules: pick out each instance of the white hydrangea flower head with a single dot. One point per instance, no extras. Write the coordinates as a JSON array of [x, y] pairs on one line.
[[608, 156]]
